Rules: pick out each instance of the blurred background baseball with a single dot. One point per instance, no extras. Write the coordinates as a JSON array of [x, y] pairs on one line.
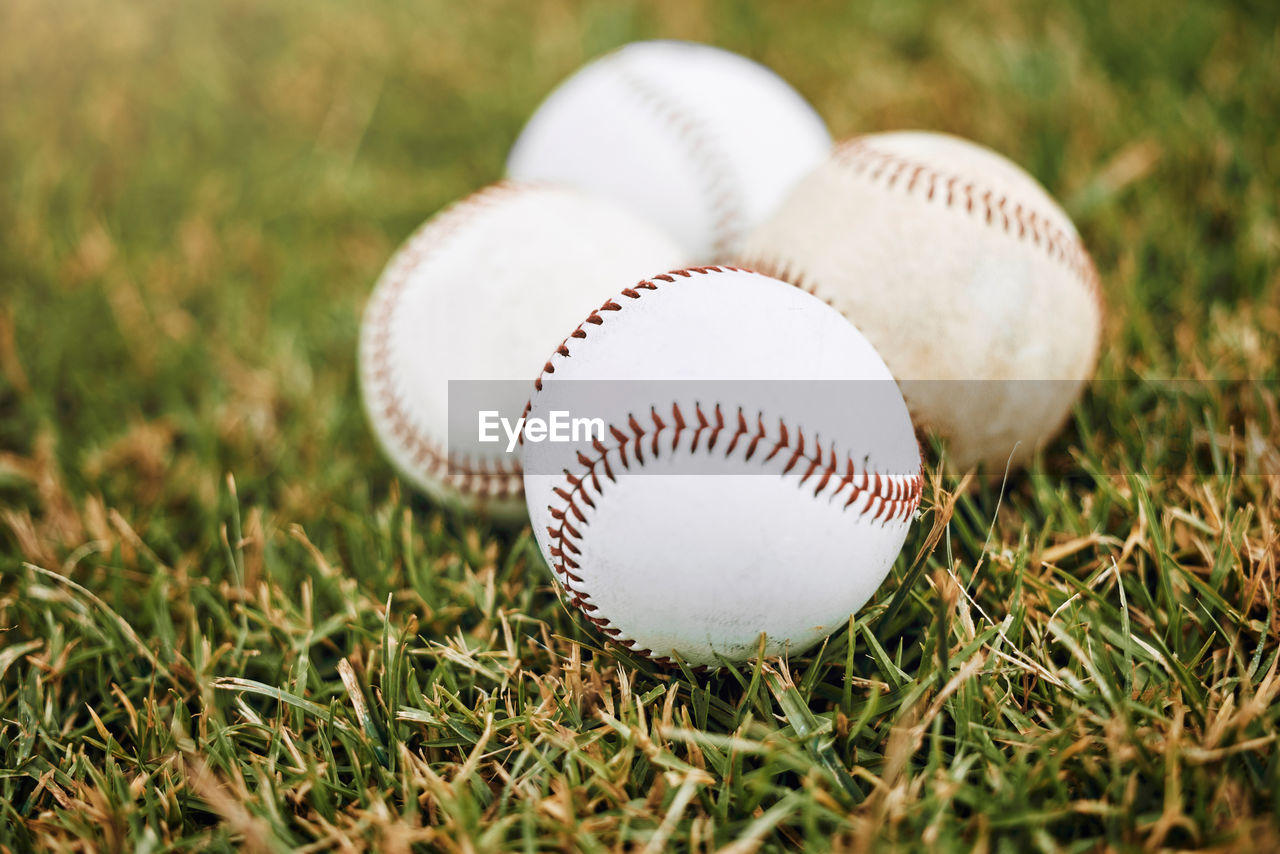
[[703, 142]]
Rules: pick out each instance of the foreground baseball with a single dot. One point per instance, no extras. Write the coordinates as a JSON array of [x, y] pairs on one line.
[[701, 141], [961, 270], [754, 471], [477, 296]]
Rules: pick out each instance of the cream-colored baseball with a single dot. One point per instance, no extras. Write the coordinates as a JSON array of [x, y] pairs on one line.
[[478, 295], [961, 270], [698, 140], [756, 471]]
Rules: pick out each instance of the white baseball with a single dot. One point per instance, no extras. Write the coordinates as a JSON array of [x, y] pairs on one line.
[[698, 140], [705, 518], [479, 293], [961, 270]]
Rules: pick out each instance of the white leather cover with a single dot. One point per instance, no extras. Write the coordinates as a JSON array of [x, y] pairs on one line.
[[698, 140], [964, 273], [695, 541], [479, 294]]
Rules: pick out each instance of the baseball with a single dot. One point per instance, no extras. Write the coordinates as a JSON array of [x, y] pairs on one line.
[[479, 294], [961, 270], [698, 140], [757, 473]]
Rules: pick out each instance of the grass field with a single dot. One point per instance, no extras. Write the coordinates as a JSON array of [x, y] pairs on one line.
[[223, 624]]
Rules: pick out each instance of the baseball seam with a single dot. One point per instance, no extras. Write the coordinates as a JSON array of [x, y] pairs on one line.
[[479, 478], [887, 496], [1020, 222], [722, 194]]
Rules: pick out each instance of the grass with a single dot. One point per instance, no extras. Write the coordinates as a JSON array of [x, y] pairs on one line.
[[223, 624]]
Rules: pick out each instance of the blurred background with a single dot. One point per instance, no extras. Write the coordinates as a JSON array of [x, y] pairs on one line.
[[195, 199]]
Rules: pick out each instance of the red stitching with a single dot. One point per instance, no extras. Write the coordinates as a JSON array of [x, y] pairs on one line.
[[726, 205], [891, 496], [596, 319], [861, 155], [484, 478]]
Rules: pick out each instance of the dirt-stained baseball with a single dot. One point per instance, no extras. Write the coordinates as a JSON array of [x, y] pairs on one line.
[[700, 141], [755, 472], [961, 270], [479, 294]]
